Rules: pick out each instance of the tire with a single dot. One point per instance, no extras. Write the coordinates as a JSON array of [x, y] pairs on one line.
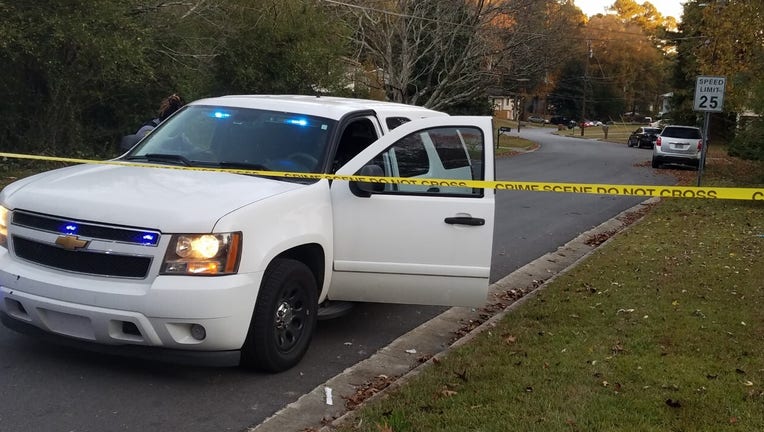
[[284, 318], [629, 144], [656, 163]]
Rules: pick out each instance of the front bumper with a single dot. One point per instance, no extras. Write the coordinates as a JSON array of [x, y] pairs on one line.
[[174, 356], [117, 315]]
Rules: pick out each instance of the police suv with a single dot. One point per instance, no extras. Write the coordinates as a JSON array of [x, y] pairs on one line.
[[220, 236]]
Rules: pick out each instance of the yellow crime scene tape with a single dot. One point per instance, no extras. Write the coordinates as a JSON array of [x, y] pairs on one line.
[[755, 194]]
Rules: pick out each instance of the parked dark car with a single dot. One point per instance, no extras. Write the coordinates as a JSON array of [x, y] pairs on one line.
[[559, 120], [643, 137], [562, 120]]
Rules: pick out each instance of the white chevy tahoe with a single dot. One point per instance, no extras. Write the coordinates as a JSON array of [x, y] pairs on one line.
[[224, 268]]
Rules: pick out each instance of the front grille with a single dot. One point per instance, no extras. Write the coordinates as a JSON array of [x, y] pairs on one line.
[[86, 229], [82, 261]]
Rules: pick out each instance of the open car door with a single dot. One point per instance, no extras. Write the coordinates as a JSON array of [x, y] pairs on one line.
[[417, 244]]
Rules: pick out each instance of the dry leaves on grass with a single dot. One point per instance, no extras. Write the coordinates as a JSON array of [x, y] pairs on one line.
[[384, 427], [367, 390], [597, 239]]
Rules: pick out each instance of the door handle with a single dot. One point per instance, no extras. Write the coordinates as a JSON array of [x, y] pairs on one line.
[[465, 220]]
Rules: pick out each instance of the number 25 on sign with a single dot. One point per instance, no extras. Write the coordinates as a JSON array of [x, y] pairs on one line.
[[709, 93]]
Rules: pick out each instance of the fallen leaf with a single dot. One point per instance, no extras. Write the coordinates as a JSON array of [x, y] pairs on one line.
[[509, 339], [384, 427], [448, 393], [748, 383], [673, 403], [411, 351], [733, 420]]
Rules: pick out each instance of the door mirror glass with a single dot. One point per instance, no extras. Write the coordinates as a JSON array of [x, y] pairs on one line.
[[365, 189]]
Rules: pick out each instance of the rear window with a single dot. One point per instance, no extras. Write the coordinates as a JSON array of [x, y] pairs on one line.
[[687, 133], [652, 130]]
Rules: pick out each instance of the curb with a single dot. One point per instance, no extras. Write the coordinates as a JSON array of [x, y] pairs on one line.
[[407, 356]]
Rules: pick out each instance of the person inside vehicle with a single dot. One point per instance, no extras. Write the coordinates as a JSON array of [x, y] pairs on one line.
[[167, 107]]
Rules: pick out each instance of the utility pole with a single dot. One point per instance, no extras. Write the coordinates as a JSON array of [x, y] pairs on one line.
[[521, 99], [586, 79]]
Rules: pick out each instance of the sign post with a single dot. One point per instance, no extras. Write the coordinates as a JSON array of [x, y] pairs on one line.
[[709, 97]]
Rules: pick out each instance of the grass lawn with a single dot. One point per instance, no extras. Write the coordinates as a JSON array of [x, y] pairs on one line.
[[508, 145], [618, 133], [661, 329]]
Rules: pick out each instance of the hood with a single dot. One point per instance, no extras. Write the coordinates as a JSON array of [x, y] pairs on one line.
[[169, 200]]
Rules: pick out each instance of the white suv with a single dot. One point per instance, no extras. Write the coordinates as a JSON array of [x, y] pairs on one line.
[[189, 263], [678, 145]]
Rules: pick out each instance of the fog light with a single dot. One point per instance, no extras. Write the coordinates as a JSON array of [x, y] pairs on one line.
[[198, 332]]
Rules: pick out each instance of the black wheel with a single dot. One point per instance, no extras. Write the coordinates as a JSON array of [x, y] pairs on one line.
[[656, 163], [284, 318], [629, 143]]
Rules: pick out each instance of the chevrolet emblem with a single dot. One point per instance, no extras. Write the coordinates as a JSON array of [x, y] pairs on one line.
[[70, 242]]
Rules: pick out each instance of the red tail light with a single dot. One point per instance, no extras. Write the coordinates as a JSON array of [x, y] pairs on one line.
[[658, 141], [700, 145]]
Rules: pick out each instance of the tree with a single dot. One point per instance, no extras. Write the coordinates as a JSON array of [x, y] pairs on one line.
[[428, 52], [625, 57], [644, 15], [280, 46], [618, 67], [723, 38], [68, 73], [443, 54], [78, 74]]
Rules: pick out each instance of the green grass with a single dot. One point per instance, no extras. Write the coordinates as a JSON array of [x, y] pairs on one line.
[[661, 329], [510, 144], [616, 133]]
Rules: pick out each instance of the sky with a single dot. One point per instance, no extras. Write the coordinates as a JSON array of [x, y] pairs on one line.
[[665, 7]]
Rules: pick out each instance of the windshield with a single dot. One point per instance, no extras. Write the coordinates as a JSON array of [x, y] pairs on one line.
[[681, 132], [238, 138]]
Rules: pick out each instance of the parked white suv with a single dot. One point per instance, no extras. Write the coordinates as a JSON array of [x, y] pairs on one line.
[[220, 268], [678, 145]]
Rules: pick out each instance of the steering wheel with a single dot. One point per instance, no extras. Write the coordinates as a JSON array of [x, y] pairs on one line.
[[304, 159]]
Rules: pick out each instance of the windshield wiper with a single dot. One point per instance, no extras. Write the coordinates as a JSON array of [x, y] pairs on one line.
[[162, 157], [243, 165]]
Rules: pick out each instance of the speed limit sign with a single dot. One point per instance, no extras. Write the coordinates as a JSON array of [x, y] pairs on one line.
[[709, 93]]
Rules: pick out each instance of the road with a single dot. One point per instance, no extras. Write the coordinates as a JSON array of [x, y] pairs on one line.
[[49, 388]]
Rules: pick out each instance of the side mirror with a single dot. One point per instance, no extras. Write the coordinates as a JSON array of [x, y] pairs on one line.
[[365, 189]]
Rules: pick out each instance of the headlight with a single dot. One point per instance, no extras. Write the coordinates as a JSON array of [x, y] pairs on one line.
[[4, 215], [202, 254]]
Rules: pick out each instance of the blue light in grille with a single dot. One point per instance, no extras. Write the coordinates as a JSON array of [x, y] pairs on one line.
[[148, 239], [69, 228]]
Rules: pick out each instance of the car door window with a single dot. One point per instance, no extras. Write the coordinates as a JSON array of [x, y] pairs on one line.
[[447, 155]]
